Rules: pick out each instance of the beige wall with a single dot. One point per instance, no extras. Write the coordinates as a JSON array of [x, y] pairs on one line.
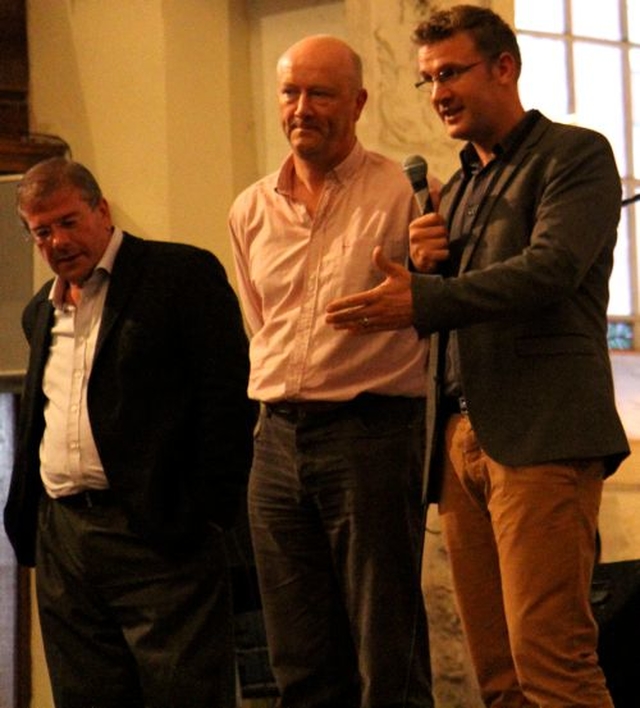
[[150, 95]]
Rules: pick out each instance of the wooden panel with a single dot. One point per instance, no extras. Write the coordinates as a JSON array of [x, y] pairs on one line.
[[14, 65], [14, 68], [19, 153]]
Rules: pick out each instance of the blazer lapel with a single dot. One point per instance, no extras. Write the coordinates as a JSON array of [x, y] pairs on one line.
[[506, 171], [449, 205], [40, 341], [121, 282]]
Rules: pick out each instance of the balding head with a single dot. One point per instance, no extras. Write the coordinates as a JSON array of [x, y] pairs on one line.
[[323, 49], [321, 98]]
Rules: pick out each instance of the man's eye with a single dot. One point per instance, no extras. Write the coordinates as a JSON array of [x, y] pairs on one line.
[[68, 223], [446, 74], [41, 234]]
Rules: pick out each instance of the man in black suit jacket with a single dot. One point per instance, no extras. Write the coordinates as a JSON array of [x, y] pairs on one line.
[[514, 286], [134, 445]]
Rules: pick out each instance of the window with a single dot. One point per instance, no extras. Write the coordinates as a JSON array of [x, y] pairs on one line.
[[16, 288], [14, 582], [581, 64]]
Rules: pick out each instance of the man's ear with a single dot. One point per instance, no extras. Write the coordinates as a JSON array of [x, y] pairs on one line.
[[361, 99], [507, 67]]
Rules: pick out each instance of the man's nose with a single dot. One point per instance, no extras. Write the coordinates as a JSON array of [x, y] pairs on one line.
[[59, 236], [303, 104], [438, 90]]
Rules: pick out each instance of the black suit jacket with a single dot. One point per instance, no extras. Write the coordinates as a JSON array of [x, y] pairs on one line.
[[529, 302], [166, 397]]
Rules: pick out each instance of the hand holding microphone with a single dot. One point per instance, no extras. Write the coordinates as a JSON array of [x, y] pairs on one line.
[[428, 235], [415, 168]]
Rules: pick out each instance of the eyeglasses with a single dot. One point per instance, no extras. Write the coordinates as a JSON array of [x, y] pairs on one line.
[[42, 234], [445, 76]]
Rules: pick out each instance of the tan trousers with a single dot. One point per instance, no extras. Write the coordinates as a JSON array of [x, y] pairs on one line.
[[522, 546]]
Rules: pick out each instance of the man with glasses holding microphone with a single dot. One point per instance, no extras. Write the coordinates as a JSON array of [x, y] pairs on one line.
[[513, 287]]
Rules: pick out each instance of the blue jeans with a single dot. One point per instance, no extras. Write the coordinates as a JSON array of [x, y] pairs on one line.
[[337, 527]]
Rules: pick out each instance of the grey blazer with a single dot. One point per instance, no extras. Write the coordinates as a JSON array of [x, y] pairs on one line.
[[529, 302]]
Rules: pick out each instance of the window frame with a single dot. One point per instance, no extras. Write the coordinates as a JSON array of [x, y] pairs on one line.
[[630, 181]]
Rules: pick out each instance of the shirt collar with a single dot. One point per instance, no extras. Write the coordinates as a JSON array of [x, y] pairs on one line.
[[102, 269], [340, 173], [504, 149]]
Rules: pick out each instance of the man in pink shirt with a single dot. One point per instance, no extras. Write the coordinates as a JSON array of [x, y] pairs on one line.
[[335, 497]]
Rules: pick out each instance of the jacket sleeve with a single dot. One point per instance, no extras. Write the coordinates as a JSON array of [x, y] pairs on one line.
[[548, 233], [225, 416]]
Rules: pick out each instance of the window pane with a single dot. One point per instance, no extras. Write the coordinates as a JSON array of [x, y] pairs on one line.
[[636, 148], [636, 305], [620, 336], [633, 18], [541, 15], [8, 572], [598, 92], [543, 83], [590, 19], [634, 63], [620, 283]]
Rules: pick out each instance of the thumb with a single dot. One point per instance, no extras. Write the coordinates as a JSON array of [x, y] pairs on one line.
[[388, 267]]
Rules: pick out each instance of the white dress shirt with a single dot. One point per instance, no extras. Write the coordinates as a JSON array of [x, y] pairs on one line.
[[69, 459]]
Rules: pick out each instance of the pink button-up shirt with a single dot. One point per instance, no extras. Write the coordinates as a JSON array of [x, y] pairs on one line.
[[290, 266]]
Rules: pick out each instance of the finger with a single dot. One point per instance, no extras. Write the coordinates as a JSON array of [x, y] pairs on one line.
[[355, 327], [428, 220], [349, 320], [349, 304], [434, 254]]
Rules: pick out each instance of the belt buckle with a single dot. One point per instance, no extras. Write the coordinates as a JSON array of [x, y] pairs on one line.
[[284, 410]]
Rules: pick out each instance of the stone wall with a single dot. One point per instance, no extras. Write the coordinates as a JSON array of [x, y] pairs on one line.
[[454, 683]]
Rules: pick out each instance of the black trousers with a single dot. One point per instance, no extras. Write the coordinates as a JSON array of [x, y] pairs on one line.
[[125, 625], [337, 526]]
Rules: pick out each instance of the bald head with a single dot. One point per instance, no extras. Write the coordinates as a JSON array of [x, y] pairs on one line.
[[326, 51], [321, 97]]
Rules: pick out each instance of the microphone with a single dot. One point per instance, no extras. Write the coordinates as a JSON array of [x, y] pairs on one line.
[[415, 168]]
